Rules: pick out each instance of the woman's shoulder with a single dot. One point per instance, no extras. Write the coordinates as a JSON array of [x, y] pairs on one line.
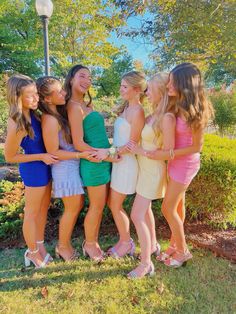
[[48, 118], [12, 129], [168, 120]]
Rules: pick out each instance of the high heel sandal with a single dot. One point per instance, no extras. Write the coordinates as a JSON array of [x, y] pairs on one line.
[[163, 256], [150, 271], [156, 252], [28, 260], [72, 258], [96, 259], [113, 252], [48, 258], [180, 260]]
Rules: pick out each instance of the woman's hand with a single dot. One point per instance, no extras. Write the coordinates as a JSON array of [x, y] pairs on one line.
[[49, 159], [102, 153], [116, 158], [134, 148]]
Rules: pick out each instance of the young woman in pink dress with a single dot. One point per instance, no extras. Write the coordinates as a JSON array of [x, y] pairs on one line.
[[190, 114]]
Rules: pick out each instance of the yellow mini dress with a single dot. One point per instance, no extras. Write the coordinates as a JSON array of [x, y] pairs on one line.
[[152, 174]]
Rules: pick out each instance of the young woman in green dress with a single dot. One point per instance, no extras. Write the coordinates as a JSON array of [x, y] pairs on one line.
[[89, 133]]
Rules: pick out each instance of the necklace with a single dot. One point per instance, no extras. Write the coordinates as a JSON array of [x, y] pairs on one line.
[[77, 102]]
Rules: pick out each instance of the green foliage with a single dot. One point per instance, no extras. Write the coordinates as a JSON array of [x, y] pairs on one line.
[[110, 78], [3, 107], [211, 196], [201, 31], [11, 209], [225, 110], [75, 35]]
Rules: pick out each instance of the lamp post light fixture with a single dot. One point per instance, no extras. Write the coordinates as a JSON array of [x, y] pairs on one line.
[[44, 9]]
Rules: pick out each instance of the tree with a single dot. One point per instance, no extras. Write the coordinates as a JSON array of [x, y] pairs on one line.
[[78, 32], [187, 30], [109, 79]]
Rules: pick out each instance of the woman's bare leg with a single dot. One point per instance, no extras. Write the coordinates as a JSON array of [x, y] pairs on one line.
[[72, 207], [97, 201], [33, 200]]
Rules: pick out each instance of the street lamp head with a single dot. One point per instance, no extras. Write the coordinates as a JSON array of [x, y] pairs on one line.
[[44, 8]]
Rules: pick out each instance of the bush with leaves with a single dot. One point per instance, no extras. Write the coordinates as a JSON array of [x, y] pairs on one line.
[[212, 195], [224, 103]]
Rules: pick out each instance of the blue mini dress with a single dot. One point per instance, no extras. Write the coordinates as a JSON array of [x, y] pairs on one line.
[[65, 173], [34, 173]]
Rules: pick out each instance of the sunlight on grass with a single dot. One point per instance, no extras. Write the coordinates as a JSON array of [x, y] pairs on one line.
[[206, 285]]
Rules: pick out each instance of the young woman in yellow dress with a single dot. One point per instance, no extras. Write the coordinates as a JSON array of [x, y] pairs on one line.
[[152, 177]]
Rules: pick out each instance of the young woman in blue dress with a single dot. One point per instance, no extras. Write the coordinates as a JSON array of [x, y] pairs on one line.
[[24, 130]]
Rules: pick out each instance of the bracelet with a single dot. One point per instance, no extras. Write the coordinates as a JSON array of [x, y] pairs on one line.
[[77, 155], [172, 153]]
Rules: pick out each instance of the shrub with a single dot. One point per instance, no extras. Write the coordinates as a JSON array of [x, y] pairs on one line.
[[225, 110], [3, 107], [212, 195], [11, 209]]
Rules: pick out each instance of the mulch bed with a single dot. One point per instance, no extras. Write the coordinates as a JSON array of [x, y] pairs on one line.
[[221, 242]]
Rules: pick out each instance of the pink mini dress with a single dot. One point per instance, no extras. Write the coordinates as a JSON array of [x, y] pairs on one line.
[[183, 169]]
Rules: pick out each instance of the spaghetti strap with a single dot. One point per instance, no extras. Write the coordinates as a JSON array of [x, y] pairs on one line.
[[170, 114]]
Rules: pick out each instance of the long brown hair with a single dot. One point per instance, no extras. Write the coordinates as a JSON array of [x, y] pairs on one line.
[[134, 79], [69, 77], [191, 99], [15, 86], [45, 88]]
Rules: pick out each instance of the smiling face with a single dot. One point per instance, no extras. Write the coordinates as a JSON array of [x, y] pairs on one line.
[[29, 97], [153, 93], [81, 82], [127, 91], [57, 95]]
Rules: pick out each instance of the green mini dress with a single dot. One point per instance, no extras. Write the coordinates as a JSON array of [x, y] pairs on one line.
[[94, 174]]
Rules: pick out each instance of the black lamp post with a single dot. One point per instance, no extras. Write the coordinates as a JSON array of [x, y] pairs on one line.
[[44, 9]]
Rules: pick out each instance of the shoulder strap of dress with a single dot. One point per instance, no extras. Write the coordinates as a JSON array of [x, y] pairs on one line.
[[170, 114]]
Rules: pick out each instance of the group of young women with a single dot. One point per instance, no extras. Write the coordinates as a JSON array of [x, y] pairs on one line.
[[67, 144]]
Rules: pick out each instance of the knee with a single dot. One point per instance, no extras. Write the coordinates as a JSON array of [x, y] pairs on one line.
[[164, 209], [135, 217], [31, 214]]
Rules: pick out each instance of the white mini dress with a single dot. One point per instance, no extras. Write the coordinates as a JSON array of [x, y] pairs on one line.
[[124, 174]]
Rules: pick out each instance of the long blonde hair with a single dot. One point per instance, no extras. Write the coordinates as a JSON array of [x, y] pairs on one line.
[[134, 79], [15, 86], [159, 81]]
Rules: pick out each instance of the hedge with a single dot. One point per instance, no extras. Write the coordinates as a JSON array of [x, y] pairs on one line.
[[211, 197]]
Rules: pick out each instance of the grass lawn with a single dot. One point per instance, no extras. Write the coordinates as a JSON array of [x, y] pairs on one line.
[[206, 285]]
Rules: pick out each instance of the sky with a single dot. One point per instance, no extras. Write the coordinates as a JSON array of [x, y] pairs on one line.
[[137, 48]]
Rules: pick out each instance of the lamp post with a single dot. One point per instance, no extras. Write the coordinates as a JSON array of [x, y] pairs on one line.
[[44, 9]]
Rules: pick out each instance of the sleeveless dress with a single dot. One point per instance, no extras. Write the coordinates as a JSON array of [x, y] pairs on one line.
[[152, 175], [34, 173], [125, 172], [94, 174], [65, 173], [184, 168]]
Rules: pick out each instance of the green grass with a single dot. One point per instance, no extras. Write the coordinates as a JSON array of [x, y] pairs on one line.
[[206, 285]]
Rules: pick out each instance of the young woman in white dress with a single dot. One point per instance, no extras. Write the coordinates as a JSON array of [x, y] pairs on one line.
[[128, 127]]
